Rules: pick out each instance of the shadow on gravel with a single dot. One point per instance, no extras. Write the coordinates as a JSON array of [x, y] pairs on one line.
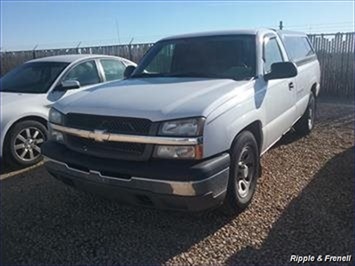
[[319, 221], [5, 168], [288, 138], [45, 222]]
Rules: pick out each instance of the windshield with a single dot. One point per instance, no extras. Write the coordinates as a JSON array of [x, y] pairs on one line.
[[34, 77], [231, 57]]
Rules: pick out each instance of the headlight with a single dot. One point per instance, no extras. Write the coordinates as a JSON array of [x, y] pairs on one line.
[[184, 127], [55, 116], [178, 152]]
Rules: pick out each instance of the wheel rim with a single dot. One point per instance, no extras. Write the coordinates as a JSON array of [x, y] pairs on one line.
[[311, 116], [27, 144], [245, 171]]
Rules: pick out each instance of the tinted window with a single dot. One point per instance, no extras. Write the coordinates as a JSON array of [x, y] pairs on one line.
[[32, 77], [113, 69], [231, 57], [272, 53], [85, 73], [297, 47]]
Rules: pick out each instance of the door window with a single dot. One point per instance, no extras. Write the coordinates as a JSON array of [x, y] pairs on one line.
[[272, 53], [86, 73], [297, 47], [113, 69]]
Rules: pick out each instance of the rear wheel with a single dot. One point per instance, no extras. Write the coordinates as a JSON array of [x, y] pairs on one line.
[[306, 123], [243, 175], [23, 143]]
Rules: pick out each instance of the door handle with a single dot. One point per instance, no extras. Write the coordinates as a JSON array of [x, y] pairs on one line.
[[291, 86]]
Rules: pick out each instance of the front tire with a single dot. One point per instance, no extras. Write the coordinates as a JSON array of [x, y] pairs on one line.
[[306, 123], [22, 146], [243, 175]]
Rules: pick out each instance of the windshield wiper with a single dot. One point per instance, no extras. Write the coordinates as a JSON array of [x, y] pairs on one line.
[[182, 74], [199, 75], [148, 75], [193, 74]]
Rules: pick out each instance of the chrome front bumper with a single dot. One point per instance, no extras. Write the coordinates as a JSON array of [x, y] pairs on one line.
[[213, 184], [167, 185]]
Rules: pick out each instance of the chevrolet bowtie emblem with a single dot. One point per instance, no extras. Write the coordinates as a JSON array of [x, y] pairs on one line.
[[98, 135]]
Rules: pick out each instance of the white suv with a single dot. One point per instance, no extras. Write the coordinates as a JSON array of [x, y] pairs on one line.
[[187, 127]]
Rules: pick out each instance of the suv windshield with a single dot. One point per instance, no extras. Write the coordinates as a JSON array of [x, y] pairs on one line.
[[34, 77], [226, 56]]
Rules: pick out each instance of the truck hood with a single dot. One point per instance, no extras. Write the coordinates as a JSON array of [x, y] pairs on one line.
[[154, 98]]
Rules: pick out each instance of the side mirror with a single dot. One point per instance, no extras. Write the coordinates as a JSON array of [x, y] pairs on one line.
[[128, 71], [281, 70], [69, 85]]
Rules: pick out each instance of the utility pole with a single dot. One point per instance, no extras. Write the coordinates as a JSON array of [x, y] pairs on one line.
[[118, 31], [281, 26]]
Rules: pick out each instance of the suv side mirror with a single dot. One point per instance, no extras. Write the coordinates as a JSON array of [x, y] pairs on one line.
[[68, 85], [128, 71], [281, 70]]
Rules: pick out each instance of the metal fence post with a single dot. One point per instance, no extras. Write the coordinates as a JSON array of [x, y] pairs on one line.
[[78, 50], [34, 51], [130, 49]]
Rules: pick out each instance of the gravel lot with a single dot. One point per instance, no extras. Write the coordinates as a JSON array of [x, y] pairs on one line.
[[304, 205]]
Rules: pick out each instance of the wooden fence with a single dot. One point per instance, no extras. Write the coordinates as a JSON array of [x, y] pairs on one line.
[[133, 52], [335, 53]]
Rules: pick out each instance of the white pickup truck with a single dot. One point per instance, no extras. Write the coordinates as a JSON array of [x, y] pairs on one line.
[[185, 130]]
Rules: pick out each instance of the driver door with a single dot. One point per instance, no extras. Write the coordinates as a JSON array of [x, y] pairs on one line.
[[86, 73], [280, 110]]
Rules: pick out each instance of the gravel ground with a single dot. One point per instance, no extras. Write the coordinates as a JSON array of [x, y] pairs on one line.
[[304, 205]]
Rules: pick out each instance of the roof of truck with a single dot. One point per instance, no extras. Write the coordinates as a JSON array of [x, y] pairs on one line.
[[290, 32], [212, 33], [232, 32]]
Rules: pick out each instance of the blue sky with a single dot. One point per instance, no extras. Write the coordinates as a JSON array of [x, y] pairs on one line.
[[67, 23]]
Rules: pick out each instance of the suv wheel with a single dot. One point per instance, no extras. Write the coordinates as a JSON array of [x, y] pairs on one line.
[[23, 143], [243, 175], [306, 123]]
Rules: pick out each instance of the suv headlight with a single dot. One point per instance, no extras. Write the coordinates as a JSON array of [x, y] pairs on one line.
[[55, 116], [183, 128]]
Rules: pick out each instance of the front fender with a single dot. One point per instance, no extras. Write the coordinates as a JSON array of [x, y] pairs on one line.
[[220, 131]]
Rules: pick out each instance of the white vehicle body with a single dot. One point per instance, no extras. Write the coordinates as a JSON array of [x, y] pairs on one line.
[[268, 108], [16, 106]]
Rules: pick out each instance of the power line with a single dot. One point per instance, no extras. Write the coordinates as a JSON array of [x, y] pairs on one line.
[[323, 24], [320, 26]]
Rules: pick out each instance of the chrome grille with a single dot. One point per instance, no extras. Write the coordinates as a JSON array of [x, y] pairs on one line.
[[119, 125]]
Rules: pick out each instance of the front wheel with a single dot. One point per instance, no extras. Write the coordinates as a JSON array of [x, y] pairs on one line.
[[305, 125], [23, 143], [243, 175]]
